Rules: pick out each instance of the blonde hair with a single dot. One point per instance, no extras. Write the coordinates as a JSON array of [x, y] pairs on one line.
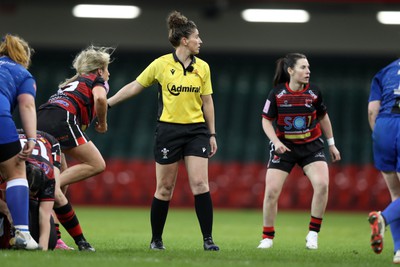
[[17, 49], [89, 61]]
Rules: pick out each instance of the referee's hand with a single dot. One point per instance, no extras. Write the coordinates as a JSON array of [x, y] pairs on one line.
[[213, 145]]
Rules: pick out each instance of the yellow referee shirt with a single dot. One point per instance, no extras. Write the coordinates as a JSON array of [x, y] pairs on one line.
[[179, 89]]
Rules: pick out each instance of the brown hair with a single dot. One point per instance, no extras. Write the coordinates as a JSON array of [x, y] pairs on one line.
[[282, 64], [179, 26], [17, 49]]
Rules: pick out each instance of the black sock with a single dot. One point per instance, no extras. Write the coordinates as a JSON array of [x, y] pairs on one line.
[[158, 216], [204, 212]]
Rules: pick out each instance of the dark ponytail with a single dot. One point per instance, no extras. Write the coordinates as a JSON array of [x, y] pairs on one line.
[[282, 65]]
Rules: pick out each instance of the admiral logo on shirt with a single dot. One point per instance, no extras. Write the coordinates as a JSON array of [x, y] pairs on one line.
[[176, 90]]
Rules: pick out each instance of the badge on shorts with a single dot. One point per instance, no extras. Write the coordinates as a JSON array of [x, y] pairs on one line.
[[165, 151]]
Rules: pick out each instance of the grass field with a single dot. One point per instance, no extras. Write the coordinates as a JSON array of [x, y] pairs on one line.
[[121, 237]]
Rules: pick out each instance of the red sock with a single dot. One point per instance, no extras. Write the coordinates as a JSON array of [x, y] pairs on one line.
[[67, 217], [315, 224], [268, 232]]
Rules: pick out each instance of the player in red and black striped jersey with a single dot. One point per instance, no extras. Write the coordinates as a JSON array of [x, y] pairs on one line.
[[297, 109], [47, 157], [77, 98], [68, 113]]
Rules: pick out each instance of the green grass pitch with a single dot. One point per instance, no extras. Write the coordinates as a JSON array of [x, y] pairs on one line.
[[121, 237]]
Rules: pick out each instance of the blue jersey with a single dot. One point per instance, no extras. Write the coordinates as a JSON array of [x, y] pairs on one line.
[[385, 87], [14, 81]]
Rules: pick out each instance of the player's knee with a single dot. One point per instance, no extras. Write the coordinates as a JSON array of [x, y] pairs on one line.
[[321, 188], [164, 193], [272, 194], [99, 167], [199, 187]]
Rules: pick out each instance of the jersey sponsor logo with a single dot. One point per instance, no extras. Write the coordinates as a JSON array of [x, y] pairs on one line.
[[7, 63], [285, 104], [297, 136], [266, 106], [177, 90], [46, 168], [61, 102], [298, 122]]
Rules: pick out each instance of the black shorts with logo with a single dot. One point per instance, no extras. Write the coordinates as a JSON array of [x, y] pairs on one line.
[[175, 141], [301, 154]]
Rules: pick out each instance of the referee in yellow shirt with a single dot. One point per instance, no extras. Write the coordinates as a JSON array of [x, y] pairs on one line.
[[185, 128]]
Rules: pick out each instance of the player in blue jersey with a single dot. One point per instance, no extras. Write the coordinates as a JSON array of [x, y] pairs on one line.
[[384, 120], [17, 87]]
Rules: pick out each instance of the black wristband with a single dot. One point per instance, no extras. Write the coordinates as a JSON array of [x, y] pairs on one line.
[[213, 134]]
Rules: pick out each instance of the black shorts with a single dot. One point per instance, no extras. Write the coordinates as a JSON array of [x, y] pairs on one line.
[[175, 141], [9, 150], [48, 190], [63, 125], [302, 154]]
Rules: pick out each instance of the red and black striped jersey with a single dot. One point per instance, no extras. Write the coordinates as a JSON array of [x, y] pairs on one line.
[[46, 155], [296, 114], [77, 98]]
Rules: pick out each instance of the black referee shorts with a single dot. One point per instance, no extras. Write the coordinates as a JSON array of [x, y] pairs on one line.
[[175, 141]]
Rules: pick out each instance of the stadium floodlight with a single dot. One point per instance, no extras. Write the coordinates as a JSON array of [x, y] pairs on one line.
[[106, 11], [276, 15], [388, 17]]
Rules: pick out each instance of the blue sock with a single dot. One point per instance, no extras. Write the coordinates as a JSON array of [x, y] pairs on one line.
[[392, 212], [17, 197], [395, 230]]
